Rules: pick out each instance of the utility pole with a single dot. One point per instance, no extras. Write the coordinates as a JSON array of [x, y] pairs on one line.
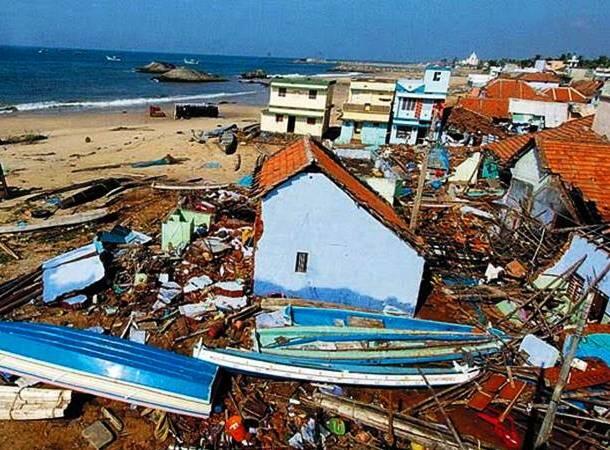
[[421, 182], [549, 418]]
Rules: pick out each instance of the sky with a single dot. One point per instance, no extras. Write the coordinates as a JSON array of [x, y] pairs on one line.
[[382, 30]]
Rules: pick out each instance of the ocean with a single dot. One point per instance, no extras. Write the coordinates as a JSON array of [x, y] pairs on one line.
[[45, 80]]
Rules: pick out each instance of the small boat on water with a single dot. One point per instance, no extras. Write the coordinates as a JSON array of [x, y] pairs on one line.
[[108, 367], [191, 61], [113, 58], [228, 142]]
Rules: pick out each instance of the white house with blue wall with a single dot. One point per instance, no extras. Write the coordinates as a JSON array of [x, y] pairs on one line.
[[415, 101], [366, 114], [323, 234]]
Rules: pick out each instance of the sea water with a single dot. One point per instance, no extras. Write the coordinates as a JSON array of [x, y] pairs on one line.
[[47, 79]]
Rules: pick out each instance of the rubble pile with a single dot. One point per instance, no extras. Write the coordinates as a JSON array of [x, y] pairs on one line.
[[174, 270]]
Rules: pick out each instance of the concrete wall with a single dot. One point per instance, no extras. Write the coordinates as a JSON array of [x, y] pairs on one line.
[[440, 86], [527, 169], [601, 123], [298, 97], [373, 133], [269, 124], [353, 258], [347, 132], [554, 113], [411, 139]]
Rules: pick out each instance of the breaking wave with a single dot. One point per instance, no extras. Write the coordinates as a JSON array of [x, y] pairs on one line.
[[119, 103]]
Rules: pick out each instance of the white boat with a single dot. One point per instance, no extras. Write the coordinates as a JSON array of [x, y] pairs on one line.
[[113, 58], [258, 364], [191, 61]]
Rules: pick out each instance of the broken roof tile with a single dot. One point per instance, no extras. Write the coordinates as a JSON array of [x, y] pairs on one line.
[[572, 130]]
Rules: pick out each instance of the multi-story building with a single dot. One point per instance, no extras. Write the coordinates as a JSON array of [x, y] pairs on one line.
[[414, 104], [366, 114], [298, 105]]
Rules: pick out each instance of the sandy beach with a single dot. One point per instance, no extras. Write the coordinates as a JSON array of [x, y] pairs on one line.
[[117, 137]]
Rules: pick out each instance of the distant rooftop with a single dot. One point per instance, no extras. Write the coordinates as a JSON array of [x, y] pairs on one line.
[[304, 81]]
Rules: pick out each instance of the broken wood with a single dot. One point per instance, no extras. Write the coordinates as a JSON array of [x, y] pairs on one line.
[[63, 221]]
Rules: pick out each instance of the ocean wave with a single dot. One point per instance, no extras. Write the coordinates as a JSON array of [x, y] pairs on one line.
[[120, 103]]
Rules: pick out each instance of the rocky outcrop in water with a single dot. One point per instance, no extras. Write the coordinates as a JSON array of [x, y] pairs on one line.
[[254, 75], [156, 67], [187, 75]]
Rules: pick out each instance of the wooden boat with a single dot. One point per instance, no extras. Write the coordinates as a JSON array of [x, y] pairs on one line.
[[109, 367], [228, 142], [307, 316], [337, 335], [259, 364]]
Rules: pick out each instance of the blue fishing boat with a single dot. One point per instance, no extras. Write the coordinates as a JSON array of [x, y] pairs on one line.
[[109, 367], [306, 316], [277, 366]]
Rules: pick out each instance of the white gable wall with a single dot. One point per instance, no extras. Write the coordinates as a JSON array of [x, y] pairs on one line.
[[353, 258]]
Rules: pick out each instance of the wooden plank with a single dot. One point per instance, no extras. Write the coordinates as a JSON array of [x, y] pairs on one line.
[[63, 221]]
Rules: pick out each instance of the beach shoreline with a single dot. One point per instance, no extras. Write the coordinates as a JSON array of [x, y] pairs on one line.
[[79, 141]]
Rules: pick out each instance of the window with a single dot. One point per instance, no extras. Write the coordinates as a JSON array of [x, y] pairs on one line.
[[311, 121], [301, 263], [279, 118], [407, 104], [357, 127], [403, 132], [281, 92], [437, 76], [313, 94]]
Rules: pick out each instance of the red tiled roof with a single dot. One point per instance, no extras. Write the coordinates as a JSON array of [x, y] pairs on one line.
[[305, 153], [505, 88], [565, 94], [588, 88], [470, 121], [577, 130], [539, 77], [582, 165], [496, 108]]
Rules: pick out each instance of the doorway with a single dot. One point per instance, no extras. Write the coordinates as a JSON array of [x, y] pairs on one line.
[[291, 123]]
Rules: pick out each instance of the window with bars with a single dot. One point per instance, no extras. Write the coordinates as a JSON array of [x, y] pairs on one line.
[[301, 262], [407, 104], [313, 94], [281, 92]]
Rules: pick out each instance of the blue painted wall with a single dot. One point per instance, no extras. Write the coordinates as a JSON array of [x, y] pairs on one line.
[[347, 131], [370, 134], [373, 133], [353, 258]]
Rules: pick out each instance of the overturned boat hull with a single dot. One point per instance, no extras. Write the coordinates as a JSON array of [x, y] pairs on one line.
[[108, 367], [274, 366]]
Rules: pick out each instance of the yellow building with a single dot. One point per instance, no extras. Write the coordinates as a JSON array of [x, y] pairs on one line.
[[298, 105], [366, 114]]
